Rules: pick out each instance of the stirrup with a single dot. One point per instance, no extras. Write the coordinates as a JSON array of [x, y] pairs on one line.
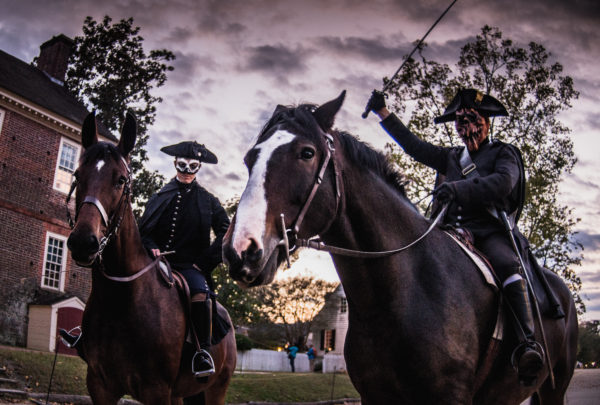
[[68, 338], [521, 349], [203, 373]]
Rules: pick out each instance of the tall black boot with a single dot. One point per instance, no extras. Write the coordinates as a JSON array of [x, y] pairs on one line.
[[202, 363], [527, 358]]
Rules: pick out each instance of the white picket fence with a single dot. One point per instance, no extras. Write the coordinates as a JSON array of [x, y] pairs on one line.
[[269, 360]]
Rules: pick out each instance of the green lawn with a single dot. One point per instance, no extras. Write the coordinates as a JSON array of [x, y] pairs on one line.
[[33, 368]]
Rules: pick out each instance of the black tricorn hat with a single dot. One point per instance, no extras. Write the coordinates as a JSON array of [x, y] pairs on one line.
[[190, 150], [470, 98]]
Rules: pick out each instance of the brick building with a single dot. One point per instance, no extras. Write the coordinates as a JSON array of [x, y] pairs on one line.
[[41, 288]]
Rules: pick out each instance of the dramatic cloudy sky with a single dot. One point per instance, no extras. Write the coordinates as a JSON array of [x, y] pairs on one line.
[[236, 60]]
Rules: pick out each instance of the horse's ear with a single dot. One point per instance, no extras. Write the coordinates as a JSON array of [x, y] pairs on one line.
[[128, 134], [89, 136], [325, 114]]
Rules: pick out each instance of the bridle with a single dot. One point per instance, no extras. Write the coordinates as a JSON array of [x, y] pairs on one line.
[[113, 223], [285, 241], [316, 243]]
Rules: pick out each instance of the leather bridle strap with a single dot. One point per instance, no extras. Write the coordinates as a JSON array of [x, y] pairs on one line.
[[315, 187], [93, 200]]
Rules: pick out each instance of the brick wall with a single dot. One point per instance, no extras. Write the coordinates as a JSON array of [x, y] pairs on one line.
[[29, 208]]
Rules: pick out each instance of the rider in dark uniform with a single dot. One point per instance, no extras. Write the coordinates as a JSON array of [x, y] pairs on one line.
[[497, 184], [178, 219]]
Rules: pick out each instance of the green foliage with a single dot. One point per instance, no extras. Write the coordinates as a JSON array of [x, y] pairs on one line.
[[110, 72], [588, 351], [242, 305], [294, 302], [243, 342], [534, 92]]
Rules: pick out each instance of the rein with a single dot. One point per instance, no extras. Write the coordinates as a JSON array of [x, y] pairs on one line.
[[317, 243]]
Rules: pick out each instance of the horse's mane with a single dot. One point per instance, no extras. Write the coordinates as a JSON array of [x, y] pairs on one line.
[[100, 150], [300, 120]]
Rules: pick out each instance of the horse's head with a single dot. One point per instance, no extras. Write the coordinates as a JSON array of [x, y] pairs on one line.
[[292, 151], [102, 183]]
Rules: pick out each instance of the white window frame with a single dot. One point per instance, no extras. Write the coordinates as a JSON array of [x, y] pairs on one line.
[[63, 264], [64, 188], [2, 114]]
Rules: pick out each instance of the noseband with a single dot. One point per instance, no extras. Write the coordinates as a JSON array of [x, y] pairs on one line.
[[112, 224]]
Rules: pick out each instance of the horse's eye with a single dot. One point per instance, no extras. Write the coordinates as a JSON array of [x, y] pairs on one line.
[[122, 180], [307, 153]]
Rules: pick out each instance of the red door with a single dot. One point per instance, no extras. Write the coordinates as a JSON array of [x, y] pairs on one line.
[[67, 318]]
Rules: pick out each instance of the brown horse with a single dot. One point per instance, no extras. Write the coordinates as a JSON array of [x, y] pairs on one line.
[[421, 320], [134, 323]]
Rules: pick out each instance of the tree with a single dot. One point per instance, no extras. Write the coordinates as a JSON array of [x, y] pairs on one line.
[[243, 305], [534, 92], [110, 73], [588, 351], [294, 302]]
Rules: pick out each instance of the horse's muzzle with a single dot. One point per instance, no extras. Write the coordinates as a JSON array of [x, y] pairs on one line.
[[84, 248]]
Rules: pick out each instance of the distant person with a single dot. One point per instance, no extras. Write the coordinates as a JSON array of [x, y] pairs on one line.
[[292, 351], [312, 354]]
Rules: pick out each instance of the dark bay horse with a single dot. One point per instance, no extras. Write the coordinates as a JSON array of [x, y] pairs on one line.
[[420, 321], [134, 324]]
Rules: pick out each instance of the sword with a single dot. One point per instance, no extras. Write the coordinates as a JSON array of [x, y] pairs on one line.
[[509, 229], [389, 83]]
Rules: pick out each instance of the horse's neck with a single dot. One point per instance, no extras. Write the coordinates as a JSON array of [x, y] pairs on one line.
[[125, 254], [374, 217]]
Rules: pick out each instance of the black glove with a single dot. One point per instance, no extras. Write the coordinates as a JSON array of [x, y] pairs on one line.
[[444, 193], [377, 101]]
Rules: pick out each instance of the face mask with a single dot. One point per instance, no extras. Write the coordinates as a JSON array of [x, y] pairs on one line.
[[471, 127], [188, 166]]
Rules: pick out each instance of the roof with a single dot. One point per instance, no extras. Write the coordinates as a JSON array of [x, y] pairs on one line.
[[32, 84]]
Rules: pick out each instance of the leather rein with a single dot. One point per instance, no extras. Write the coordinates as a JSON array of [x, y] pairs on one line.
[[316, 243]]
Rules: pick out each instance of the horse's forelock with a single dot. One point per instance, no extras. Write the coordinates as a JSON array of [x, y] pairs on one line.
[[295, 119], [101, 150]]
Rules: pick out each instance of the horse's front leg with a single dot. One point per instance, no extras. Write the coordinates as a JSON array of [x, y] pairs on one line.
[[99, 393], [157, 395]]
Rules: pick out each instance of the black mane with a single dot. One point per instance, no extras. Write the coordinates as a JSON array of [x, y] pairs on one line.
[[300, 120]]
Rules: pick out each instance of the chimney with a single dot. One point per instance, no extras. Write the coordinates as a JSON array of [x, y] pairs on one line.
[[54, 57]]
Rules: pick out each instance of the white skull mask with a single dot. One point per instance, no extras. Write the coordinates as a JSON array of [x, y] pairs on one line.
[[189, 166]]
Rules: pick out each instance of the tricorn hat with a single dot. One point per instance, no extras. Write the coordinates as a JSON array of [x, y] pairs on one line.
[[190, 150], [471, 98]]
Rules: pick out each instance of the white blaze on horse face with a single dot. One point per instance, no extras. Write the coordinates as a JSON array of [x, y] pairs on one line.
[[252, 212], [99, 165]]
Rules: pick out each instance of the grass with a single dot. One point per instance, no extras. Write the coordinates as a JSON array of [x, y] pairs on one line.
[[33, 370]]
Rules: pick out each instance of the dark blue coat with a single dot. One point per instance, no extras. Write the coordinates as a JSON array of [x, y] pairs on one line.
[[211, 216], [500, 182]]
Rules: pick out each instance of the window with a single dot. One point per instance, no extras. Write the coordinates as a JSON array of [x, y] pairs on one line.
[[54, 262], [68, 154], [2, 113], [328, 340], [343, 305]]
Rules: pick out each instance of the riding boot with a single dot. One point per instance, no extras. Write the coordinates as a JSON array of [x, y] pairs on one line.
[[202, 363], [527, 358]]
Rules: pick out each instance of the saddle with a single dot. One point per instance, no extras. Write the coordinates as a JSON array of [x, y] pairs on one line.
[[546, 299], [220, 326]]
